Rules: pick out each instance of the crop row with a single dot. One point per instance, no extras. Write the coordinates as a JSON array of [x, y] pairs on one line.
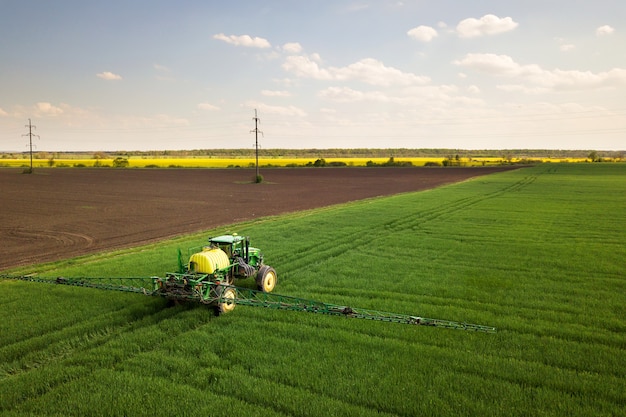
[[537, 252]]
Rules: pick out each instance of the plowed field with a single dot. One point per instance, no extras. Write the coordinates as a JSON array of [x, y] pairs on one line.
[[61, 213]]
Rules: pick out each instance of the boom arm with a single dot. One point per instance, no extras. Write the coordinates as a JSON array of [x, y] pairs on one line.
[[214, 293]]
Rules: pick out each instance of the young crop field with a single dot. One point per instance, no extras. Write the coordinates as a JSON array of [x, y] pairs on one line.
[[537, 252]]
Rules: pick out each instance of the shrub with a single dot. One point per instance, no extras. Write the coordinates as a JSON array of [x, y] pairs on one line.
[[321, 162], [120, 162]]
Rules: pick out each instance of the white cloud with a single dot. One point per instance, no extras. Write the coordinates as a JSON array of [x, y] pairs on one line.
[[47, 109], [346, 94], [583, 80], [2, 112], [316, 57], [564, 47], [441, 95], [161, 68], [520, 88], [557, 79], [604, 30], [280, 110], [109, 76], [207, 106], [423, 33], [292, 48], [486, 25], [500, 65], [304, 67], [368, 70], [374, 72], [274, 93], [473, 89], [243, 40]]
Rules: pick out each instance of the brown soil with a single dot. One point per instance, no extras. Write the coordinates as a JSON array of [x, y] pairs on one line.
[[60, 213]]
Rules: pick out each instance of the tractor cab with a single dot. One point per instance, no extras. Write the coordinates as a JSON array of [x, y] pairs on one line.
[[228, 257], [233, 245], [236, 246]]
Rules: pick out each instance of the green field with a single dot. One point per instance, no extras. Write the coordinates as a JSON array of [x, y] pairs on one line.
[[538, 253]]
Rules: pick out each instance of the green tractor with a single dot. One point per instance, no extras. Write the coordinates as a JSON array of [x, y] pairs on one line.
[[208, 278], [229, 257], [211, 271]]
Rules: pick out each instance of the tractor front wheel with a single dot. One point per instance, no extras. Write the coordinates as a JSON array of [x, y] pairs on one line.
[[266, 279], [226, 302]]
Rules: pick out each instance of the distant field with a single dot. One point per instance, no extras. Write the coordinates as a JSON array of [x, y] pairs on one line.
[[537, 252], [141, 162]]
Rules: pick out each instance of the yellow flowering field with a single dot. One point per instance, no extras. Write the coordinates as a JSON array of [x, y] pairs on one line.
[[207, 162]]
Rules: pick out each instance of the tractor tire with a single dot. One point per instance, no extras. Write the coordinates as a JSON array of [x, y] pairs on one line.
[[228, 296], [266, 279]]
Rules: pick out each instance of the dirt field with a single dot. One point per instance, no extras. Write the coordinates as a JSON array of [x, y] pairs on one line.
[[61, 213]]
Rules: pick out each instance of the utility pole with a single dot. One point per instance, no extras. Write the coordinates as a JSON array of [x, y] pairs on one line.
[[256, 143], [30, 135]]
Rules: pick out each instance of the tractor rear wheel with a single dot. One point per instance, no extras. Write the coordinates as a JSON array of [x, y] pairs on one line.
[[227, 300], [266, 279]]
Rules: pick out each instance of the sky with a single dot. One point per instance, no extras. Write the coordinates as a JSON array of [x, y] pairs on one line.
[[169, 75]]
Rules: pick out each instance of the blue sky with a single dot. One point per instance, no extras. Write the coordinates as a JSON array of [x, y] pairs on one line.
[[156, 75]]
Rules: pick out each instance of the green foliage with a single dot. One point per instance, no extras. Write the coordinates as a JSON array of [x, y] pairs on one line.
[[537, 252], [120, 162], [432, 164], [537, 154], [321, 162], [391, 162]]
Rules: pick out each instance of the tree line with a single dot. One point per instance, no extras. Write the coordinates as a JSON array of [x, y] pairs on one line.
[[505, 154]]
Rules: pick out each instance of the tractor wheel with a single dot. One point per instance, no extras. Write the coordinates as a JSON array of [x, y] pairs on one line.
[[266, 279], [228, 296]]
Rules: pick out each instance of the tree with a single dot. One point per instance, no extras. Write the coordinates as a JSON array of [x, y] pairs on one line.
[[321, 162], [120, 162]]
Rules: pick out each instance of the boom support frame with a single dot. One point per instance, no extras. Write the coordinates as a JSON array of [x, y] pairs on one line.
[[198, 288]]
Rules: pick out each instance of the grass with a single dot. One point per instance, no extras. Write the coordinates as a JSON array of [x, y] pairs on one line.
[[537, 252]]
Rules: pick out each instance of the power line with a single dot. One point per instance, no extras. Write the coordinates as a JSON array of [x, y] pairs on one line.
[[256, 143], [30, 135]]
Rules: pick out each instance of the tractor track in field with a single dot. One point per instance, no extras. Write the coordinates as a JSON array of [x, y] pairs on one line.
[[418, 219], [59, 213]]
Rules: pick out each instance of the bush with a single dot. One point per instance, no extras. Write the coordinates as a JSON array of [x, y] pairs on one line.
[[120, 162]]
